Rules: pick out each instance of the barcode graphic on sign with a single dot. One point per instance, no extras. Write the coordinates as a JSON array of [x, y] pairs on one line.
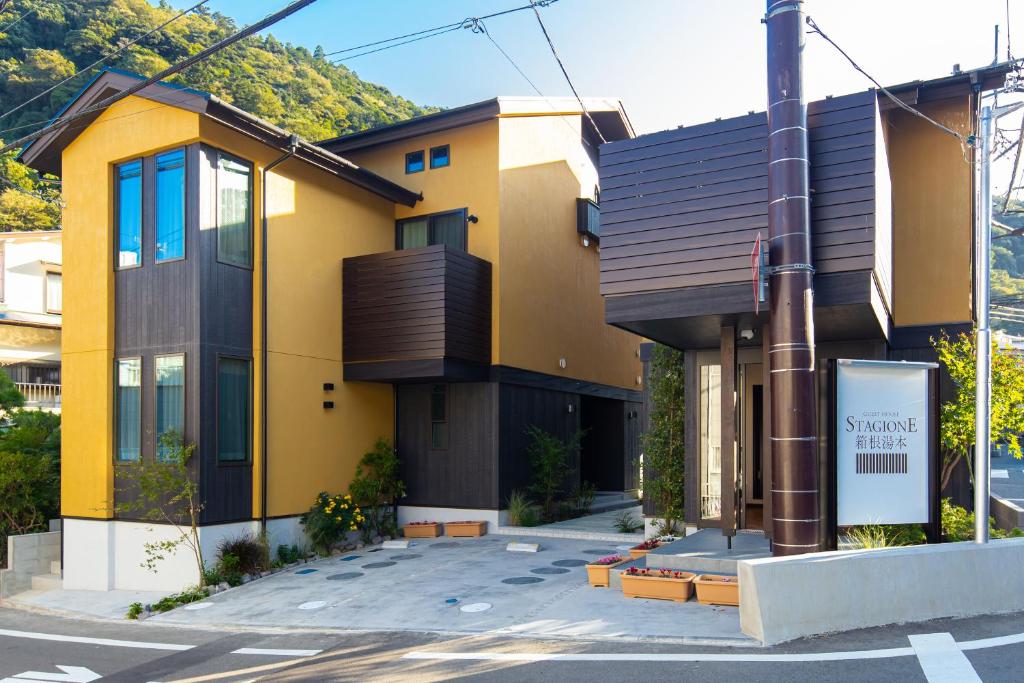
[[881, 463]]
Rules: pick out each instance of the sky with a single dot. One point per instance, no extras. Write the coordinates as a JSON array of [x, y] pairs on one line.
[[671, 62]]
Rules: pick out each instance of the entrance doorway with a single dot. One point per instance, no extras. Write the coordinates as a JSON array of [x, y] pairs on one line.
[[751, 446]]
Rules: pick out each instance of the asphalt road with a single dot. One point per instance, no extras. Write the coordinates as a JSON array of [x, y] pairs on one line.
[[40, 647]]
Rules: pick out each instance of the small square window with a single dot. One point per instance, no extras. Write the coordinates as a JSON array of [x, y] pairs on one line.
[[440, 157], [414, 162]]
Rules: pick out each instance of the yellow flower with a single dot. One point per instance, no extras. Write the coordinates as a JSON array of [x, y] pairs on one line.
[[348, 497], [353, 527], [338, 518]]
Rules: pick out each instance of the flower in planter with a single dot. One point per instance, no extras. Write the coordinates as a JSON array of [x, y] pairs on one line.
[[649, 544], [610, 559]]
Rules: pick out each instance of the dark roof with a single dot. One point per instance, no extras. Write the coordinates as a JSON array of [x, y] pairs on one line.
[[607, 113], [959, 83], [44, 153]]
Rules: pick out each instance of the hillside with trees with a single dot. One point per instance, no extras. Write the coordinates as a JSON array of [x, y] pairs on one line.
[[1008, 264], [288, 85]]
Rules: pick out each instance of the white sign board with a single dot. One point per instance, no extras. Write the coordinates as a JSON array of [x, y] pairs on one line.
[[882, 442]]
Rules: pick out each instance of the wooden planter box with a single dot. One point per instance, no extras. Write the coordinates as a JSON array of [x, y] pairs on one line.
[[716, 589], [599, 575], [432, 530], [634, 553], [472, 529], [658, 587]]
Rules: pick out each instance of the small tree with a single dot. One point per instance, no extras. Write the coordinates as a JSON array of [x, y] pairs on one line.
[[663, 443], [376, 487], [549, 463], [29, 474], [10, 397], [1007, 414], [166, 490]]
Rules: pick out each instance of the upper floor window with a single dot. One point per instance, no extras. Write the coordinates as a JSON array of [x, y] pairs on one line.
[[439, 228], [54, 292], [234, 211], [129, 214], [440, 156], [170, 205], [414, 162]]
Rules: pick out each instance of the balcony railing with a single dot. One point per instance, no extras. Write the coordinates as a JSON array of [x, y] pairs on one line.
[[416, 314], [40, 395]]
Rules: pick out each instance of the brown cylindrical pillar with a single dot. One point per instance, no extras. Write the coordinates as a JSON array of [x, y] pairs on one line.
[[794, 441]]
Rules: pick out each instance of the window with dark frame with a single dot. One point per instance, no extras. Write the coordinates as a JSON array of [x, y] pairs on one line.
[[128, 410], [129, 214], [448, 228], [439, 417], [234, 409], [169, 379], [414, 162], [234, 211], [440, 156]]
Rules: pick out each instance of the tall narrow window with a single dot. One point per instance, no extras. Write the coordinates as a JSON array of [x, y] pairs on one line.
[[710, 442], [170, 205], [54, 292], [439, 416], [233, 410], [439, 228], [170, 400], [128, 409], [129, 214], [234, 211]]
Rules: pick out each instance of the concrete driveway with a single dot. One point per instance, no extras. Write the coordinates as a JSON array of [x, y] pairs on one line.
[[462, 586]]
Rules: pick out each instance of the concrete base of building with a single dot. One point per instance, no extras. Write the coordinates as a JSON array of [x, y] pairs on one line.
[[418, 513], [792, 597], [28, 556], [111, 554]]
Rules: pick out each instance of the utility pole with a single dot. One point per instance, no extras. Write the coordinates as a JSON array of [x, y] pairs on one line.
[[795, 509], [983, 338]]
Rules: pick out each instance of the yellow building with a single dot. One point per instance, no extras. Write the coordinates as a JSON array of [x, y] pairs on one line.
[[284, 305]]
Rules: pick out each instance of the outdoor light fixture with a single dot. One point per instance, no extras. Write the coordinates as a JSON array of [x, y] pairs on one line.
[[328, 386], [328, 405], [585, 240], [746, 334], [561, 363], [472, 218]]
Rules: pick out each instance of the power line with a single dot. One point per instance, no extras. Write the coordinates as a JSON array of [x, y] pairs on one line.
[[534, 4], [105, 58], [900, 103], [11, 25], [479, 27], [170, 71], [404, 42]]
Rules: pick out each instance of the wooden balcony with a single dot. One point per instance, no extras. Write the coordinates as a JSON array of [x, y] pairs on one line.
[[416, 315]]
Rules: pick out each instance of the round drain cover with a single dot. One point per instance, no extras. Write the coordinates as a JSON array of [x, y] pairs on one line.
[[476, 607], [522, 580], [316, 604], [569, 563], [550, 570], [344, 576], [410, 556], [198, 605], [445, 544], [378, 565]]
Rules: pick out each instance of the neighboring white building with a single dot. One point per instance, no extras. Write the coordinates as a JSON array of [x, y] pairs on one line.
[[30, 314]]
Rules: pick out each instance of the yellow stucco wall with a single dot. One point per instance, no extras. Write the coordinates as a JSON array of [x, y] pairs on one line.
[[520, 176], [130, 128], [932, 199]]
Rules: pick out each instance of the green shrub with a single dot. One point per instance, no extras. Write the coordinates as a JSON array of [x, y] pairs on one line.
[[885, 535], [583, 497], [518, 506], [134, 610], [287, 554], [626, 523], [227, 570], [958, 524], [250, 554], [29, 471], [376, 488], [549, 464], [330, 520], [194, 594]]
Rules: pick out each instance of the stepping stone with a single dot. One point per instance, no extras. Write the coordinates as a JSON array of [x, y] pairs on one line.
[[306, 571], [515, 547], [344, 576], [350, 558], [522, 580], [550, 570], [408, 556], [602, 553], [476, 607], [378, 565], [316, 604], [374, 550], [569, 563], [401, 544], [198, 605]]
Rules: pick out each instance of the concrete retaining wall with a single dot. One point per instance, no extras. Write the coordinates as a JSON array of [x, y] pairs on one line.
[[1008, 515], [28, 555], [792, 597]]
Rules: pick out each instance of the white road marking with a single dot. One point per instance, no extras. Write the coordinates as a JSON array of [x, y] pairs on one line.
[[109, 642], [72, 674], [275, 653], [1000, 474], [998, 641], [653, 657], [941, 660]]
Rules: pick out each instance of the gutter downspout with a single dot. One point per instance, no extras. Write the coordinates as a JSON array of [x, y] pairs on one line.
[[293, 145]]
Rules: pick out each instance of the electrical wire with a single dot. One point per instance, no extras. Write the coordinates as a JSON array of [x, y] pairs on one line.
[[534, 4], [405, 42], [11, 25], [104, 58], [170, 71], [900, 103]]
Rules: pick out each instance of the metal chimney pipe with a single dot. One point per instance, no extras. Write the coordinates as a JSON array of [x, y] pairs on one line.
[[796, 519]]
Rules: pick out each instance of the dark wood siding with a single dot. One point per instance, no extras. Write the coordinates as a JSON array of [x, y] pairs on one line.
[[466, 473], [414, 304], [682, 208]]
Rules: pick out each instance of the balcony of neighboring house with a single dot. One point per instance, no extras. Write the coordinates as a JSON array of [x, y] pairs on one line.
[[39, 383], [416, 314]]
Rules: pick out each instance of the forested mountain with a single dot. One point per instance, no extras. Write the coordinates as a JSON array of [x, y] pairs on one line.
[[288, 85], [1008, 263]]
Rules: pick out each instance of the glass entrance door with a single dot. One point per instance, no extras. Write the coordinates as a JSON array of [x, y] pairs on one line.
[[710, 443], [752, 445]]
